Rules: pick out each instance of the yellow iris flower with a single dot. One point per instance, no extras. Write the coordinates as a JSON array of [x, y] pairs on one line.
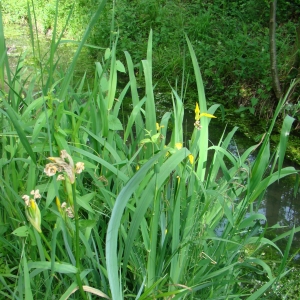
[[32, 210], [199, 115], [191, 158], [178, 146]]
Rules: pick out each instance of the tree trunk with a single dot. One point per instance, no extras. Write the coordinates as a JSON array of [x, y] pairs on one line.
[[272, 30]]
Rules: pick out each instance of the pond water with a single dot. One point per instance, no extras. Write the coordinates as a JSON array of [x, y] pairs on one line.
[[280, 205]]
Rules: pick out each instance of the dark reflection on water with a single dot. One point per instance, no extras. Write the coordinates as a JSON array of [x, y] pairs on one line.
[[281, 205]]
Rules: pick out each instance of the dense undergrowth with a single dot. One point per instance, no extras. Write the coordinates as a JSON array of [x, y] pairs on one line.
[[95, 204], [231, 42]]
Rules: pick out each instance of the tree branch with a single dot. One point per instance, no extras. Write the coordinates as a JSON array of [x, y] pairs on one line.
[[272, 30]]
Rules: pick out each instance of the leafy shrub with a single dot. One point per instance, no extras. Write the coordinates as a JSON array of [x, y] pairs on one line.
[[231, 39]]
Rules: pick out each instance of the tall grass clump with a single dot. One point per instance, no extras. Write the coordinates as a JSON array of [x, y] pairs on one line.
[[126, 207]]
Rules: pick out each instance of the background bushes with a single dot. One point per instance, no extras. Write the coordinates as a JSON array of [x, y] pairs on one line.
[[230, 39]]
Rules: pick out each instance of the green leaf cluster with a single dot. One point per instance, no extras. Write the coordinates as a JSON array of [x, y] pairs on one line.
[[154, 217]]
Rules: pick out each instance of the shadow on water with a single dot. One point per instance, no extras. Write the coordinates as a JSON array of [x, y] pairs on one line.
[[281, 202]]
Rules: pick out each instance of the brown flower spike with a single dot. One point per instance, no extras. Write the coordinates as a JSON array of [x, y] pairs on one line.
[[64, 164]]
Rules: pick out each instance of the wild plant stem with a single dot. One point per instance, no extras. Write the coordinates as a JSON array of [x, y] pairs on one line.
[[47, 244], [77, 241], [49, 247]]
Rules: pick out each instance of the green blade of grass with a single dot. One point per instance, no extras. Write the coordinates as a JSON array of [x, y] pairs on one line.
[[112, 79], [27, 287], [14, 119], [259, 167], [286, 234], [284, 135], [134, 117], [178, 113], [175, 267], [104, 143], [262, 185], [134, 95], [4, 63], [63, 268], [97, 159], [73, 286], [70, 72], [249, 221], [260, 291], [114, 223], [147, 197], [203, 141], [151, 260], [150, 104], [287, 251]]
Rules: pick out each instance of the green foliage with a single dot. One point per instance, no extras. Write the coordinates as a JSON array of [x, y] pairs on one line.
[[16, 12], [149, 217], [230, 40]]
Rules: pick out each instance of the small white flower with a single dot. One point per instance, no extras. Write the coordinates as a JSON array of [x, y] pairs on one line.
[[26, 199], [36, 194], [60, 177], [79, 167], [65, 164], [197, 125], [69, 212], [32, 211], [50, 169]]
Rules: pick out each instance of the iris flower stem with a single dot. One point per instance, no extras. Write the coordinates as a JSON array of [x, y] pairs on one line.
[[48, 245], [77, 242]]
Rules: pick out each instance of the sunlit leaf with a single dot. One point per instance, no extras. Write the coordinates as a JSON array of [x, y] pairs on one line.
[[107, 54], [120, 67], [114, 123], [22, 231]]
